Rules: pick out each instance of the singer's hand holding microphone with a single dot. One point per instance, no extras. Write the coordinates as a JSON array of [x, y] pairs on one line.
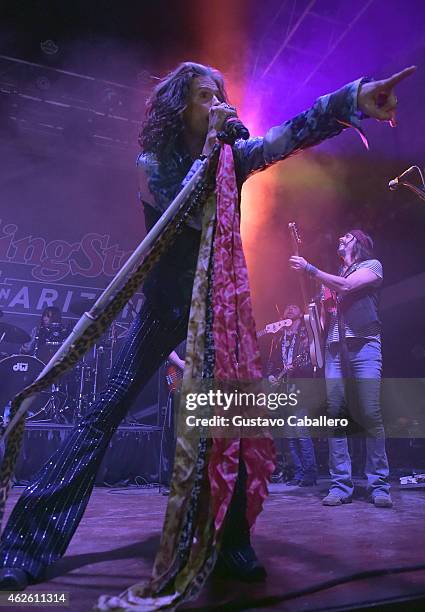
[[218, 115], [224, 124]]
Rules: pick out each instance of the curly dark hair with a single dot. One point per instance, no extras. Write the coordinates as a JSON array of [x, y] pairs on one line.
[[162, 128]]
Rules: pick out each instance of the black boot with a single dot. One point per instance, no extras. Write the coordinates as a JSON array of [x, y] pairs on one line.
[[237, 559], [240, 563]]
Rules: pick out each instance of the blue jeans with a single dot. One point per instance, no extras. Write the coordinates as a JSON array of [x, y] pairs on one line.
[[366, 369], [303, 458]]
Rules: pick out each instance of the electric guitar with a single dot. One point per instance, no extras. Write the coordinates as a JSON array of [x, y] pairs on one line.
[[173, 377], [300, 362], [311, 311]]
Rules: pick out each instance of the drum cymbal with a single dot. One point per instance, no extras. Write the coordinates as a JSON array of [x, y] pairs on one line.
[[13, 334]]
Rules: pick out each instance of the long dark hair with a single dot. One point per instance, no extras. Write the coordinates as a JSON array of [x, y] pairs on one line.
[[162, 128], [54, 312], [361, 252]]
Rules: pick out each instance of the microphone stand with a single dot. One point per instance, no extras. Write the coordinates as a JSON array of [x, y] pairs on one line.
[[420, 192]]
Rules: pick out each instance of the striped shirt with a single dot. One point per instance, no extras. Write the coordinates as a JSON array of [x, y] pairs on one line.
[[372, 331]]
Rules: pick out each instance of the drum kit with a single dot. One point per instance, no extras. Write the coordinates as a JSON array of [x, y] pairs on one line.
[[71, 396]]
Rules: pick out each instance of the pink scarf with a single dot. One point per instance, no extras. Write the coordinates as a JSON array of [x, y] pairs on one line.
[[237, 355]]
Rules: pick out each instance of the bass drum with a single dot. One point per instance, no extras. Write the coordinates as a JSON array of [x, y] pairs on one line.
[[16, 373]]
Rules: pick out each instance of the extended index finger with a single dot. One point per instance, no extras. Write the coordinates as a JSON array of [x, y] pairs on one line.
[[399, 76]]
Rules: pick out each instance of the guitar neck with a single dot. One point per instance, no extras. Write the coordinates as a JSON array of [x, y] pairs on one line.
[[296, 241], [304, 292], [303, 286]]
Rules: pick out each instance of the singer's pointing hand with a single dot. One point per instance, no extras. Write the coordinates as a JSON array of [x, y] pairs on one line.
[[377, 99]]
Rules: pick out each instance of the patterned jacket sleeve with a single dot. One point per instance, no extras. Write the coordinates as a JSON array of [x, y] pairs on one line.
[[328, 116]]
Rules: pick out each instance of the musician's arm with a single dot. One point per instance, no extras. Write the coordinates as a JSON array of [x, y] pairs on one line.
[[357, 280], [328, 116], [363, 277]]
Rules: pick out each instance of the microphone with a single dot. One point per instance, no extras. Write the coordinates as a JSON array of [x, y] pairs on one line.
[[233, 129], [394, 184]]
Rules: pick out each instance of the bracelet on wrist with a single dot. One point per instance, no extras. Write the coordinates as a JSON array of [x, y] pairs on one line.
[[311, 270]]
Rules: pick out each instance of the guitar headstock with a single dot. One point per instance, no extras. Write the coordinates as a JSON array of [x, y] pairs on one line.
[[272, 328], [295, 235]]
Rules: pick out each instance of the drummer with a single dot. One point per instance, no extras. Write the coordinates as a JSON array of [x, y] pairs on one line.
[[50, 315]]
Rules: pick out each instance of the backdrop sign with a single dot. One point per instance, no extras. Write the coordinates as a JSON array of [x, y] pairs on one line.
[[37, 272]]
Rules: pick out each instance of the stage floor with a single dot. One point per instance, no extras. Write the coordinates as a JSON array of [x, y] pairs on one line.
[[301, 543]]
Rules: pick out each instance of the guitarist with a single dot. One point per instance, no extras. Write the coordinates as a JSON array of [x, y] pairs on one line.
[[290, 358], [289, 345], [175, 367], [353, 354]]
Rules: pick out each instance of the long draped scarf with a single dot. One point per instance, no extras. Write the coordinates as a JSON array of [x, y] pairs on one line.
[[221, 324]]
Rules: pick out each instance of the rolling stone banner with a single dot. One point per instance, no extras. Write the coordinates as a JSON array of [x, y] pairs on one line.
[[37, 273]]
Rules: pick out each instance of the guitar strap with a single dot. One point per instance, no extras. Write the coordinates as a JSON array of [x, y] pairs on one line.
[[351, 390], [343, 347], [345, 357], [288, 352]]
